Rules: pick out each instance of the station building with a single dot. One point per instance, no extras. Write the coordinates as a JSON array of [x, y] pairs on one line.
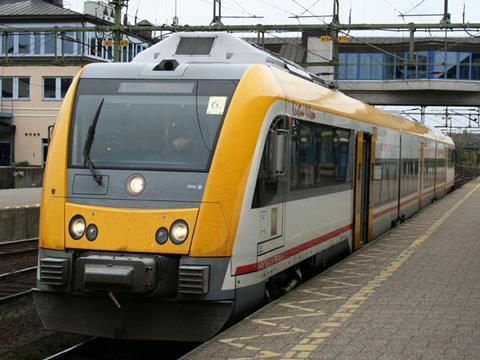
[[37, 68], [384, 58], [433, 58], [431, 71]]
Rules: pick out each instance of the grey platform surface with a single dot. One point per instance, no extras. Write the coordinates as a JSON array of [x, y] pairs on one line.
[[10, 198], [412, 294]]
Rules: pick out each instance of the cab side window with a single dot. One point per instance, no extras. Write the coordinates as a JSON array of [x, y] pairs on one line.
[[267, 186]]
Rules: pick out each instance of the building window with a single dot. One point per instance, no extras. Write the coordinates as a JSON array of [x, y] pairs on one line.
[[44, 151], [9, 41], [49, 85], [37, 43], [352, 66], [364, 67], [130, 52], [15, 87], [68, 39], [24, 43], [464, 65], [55, 88], [50, 43], [23, 88], [64, 85], [7, 88]]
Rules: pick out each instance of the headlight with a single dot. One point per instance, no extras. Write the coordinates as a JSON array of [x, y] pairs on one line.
[[135, 184], [77, 227], [92, 232], [161, 236], [179, 232]]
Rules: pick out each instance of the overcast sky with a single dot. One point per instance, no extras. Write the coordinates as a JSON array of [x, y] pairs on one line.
[[199, 12]]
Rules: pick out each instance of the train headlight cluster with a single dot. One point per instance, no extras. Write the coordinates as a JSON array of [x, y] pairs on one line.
[[135, 184], [161, 236], [179, 232], [92, 232], [77, 227]]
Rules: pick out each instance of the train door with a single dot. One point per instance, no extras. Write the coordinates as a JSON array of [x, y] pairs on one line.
[[435, 164], [445, 168], [363, 209], [421, 155], [271, 189], [400, 173]]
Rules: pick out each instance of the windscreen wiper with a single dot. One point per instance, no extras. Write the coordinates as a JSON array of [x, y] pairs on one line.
[[88, 145]]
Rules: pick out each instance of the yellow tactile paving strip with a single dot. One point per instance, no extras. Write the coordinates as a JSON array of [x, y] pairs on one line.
[[297, 325]]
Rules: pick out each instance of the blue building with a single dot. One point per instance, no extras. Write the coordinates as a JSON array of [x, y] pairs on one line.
[[433, 58]]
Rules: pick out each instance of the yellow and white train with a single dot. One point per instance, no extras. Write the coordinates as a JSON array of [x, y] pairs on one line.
[[183, 188]]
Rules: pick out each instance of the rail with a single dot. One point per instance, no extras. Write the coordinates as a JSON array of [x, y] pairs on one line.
[[17, 283], [18, 247], [71, 350], [464, 174]]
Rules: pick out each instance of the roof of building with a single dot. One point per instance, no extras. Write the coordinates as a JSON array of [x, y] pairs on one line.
[[144, 23], [33, 8], [46, 10], [381, 40]]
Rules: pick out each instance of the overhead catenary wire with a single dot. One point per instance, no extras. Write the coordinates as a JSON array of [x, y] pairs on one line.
[[309, 8], [393, 7], [414, 7], [277, 7], [244, 10]]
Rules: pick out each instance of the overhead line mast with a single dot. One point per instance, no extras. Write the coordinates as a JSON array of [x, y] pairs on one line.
[[118, 28], [217, 15]]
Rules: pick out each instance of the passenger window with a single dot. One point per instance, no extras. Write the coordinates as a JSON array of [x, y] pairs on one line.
[[320, 155]]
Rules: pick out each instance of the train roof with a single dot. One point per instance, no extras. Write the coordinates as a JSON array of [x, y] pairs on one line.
[[338, 103], [148, 71]]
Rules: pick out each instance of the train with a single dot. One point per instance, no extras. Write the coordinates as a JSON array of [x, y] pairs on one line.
[[183, 189]]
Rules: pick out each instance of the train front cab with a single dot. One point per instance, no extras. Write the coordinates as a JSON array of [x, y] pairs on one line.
[[126, 279]]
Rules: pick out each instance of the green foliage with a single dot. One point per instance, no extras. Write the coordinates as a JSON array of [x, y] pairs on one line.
[[22, 163], [468, 148]]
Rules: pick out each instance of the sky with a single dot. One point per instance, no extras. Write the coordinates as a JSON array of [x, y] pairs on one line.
[[200, 12]]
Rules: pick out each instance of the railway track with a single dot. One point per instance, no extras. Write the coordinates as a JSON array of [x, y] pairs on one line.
[[71, 351], [464, 174], [18, 247], [17, 283], [18, 254], [116, 349]]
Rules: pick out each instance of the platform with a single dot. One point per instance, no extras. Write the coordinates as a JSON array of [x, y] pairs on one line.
[[19, 213], [11, 198], [412, 294]]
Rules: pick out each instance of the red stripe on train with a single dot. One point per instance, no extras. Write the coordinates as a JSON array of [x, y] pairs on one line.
[[403, 203], [245, 269]]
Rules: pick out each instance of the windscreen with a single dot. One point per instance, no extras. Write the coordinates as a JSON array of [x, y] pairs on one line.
[[148, 124]]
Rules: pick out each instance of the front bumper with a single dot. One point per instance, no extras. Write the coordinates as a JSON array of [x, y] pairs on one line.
[[132, 296], [139, 317], [152, 275]]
